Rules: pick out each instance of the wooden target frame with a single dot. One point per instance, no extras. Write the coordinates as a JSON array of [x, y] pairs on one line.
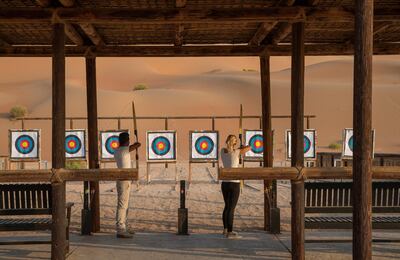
[[22, 159], [202, 160], [314, 145], [345, 139], [85, 143]]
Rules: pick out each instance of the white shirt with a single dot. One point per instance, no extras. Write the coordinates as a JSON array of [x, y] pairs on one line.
[[230, 160], [123, 157]]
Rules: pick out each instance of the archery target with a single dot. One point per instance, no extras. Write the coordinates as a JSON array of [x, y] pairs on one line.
[[161, 146], [309, 144], [75, 144], [348, 143], [254, 139], [24, 145], [109, 143], [204, 145]]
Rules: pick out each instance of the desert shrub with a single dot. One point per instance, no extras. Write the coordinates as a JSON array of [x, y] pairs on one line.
[[74, 165], [18, 112], [334, 146], [249, 70], [140, 87]]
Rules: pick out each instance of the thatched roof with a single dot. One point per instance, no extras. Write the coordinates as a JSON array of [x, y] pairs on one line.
[[190, 28]]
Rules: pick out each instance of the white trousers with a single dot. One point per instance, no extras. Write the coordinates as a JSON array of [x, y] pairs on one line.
[[123, 191]]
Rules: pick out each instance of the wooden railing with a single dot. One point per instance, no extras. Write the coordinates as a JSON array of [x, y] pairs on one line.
[[293, 173]]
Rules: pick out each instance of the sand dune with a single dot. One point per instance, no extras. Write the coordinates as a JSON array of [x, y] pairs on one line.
[[205, 87]]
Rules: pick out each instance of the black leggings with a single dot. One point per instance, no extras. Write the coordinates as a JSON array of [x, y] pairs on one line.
[[231, 192]]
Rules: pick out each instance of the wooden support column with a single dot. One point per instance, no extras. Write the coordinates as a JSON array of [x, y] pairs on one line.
[[91, 95], [267, 135], [297, 99], [58, 231], [362, 118]]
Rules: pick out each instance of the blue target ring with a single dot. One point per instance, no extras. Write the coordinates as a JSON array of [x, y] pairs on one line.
[[160, 146], [72, 144], [204, 145], [307, 144], [351, 143], [24, 144], [112, 143], [256, 143]]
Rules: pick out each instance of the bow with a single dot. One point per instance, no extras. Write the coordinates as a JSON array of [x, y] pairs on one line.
[[240, 131], [135, 132]]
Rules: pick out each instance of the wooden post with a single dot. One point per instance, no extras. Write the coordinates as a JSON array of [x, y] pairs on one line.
[[166, 128], [362, 117], [267, 135], [119, 123], [213, 128], [297, 122], [93, 139], [58, 231]]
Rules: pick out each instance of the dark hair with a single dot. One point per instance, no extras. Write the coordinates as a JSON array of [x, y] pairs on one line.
[[123, 138]]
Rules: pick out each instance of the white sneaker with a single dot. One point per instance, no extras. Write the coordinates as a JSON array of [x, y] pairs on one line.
[[225, 232], [233, 235]]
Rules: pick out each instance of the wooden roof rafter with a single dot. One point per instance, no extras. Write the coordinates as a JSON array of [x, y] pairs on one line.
[[180, 28]]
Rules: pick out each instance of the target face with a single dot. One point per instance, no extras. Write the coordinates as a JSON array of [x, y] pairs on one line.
[[309, 144], [161, 146], [24, 145], [75, 144], [348, 143], [254, 139], [203, 145], [109, 143]]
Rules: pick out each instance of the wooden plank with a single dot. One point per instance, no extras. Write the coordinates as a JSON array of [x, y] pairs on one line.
[[269, 194], [94, 194], [297, 128], [92, 33], [195, 51], [362, 112], [58, 230]]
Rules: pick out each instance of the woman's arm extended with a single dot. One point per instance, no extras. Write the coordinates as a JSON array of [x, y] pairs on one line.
[[134, 146], [244, 149]]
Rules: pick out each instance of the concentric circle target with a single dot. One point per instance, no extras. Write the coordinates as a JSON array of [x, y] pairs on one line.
[[307, 144], [161, 146], [204, 145], [256, 144], [111, 144], [72, 144], [351, 143], [24, 144]]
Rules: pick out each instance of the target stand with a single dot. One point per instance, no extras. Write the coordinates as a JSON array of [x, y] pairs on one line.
[[160, 149], [76, 145], [204, 148], [310, 140], [24, 146], [254, 139]]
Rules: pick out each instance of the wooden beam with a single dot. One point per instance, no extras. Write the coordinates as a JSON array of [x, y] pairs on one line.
[[73, 35], [186, 15], [43, 3], [92, 33], [91, 96], [377, 29], [179, 30], [265, 28], [293, 173], [67, 3], [3, 43], [196, 51], [362, 124], [297, 123], [282, 32], [180, 3], [269, 196], [58, 230]]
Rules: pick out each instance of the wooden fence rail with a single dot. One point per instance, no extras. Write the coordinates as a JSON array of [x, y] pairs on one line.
[[61, 175], [293, 173]]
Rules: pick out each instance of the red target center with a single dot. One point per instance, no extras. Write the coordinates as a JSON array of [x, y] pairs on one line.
[[204, 145], [71, 144], [114, 145], [258, 144], [25, 144], [160, 146]]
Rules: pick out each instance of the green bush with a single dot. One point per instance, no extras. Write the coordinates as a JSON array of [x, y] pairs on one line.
[[18, 112], [334, 146], [140, 87], [74, 165]]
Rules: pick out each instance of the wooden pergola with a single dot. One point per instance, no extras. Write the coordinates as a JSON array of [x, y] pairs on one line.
[[197, 28]]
